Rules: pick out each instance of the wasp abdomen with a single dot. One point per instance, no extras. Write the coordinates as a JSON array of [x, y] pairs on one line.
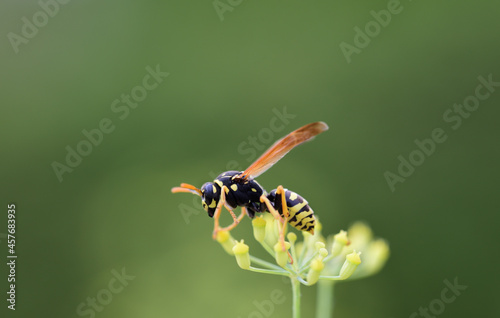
[[300, 214]]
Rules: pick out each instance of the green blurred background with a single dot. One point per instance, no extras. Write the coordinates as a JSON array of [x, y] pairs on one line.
[[227, 78]]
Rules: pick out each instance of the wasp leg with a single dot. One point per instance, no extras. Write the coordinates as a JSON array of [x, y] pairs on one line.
[[222, 202], [218, 209], [284, 206], [236, 220], [278, 217]]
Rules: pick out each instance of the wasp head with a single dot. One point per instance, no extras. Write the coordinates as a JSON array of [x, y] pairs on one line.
[[210, 194]]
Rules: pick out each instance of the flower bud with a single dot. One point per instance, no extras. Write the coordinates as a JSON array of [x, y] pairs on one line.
[[240, 251], [360, 234], [323, 252], [319, 245], [376, 255], [259, 229], [309, 240], [315, 271], [306, 235], [281, 256], [227, 242], [271, 229], [318, 227], [298, 247], [292, 237], [351, 263], [339, 241]]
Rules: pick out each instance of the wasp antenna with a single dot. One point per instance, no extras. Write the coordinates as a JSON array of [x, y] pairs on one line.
[[187, 188]]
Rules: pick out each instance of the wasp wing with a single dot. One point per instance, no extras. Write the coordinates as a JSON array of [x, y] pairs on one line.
[[282, 147]]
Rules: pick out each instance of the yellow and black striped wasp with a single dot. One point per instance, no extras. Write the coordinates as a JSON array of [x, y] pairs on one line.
[[239, 188]]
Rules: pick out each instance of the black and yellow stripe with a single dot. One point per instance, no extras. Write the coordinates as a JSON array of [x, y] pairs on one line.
[[300, 214]]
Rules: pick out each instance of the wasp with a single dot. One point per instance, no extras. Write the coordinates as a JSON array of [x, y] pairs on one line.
[[232, 189]]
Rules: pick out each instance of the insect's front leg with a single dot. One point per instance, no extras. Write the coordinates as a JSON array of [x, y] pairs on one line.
[[231, 211], [218, 209], [236, 221]]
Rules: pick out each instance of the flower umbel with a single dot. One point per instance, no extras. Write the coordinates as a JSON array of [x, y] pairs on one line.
[[373, 252], [344, 256]]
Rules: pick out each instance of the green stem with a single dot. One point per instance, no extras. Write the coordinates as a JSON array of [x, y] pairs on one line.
[[261, 262], [324, 302], [267, 248], [316, 253], [296, 297], [268, 271], [302, 281], [294, 258]]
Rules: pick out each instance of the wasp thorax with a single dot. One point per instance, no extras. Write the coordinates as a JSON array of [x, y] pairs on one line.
[[210, 194]]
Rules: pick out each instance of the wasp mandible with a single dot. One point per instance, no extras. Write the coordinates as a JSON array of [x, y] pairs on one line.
[[232, 189]]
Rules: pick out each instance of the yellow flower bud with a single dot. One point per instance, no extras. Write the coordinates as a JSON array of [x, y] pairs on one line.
[[323, 252], [271, 229], [292, 237], [227, 242], [242, 255], [354, 258], [307, 236], [360, 234], [376, 254], [309, 240], [298, 247], [281, 256], [319, 245], [318, 227], [315, 271], [351, 263], [339, 241], [259, 229]]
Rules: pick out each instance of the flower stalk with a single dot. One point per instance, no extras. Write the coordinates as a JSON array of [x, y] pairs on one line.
[[296, 297], [325, 301]]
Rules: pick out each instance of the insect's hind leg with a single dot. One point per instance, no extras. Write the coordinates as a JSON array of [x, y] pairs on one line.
[[277, 216], [284, 206]]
